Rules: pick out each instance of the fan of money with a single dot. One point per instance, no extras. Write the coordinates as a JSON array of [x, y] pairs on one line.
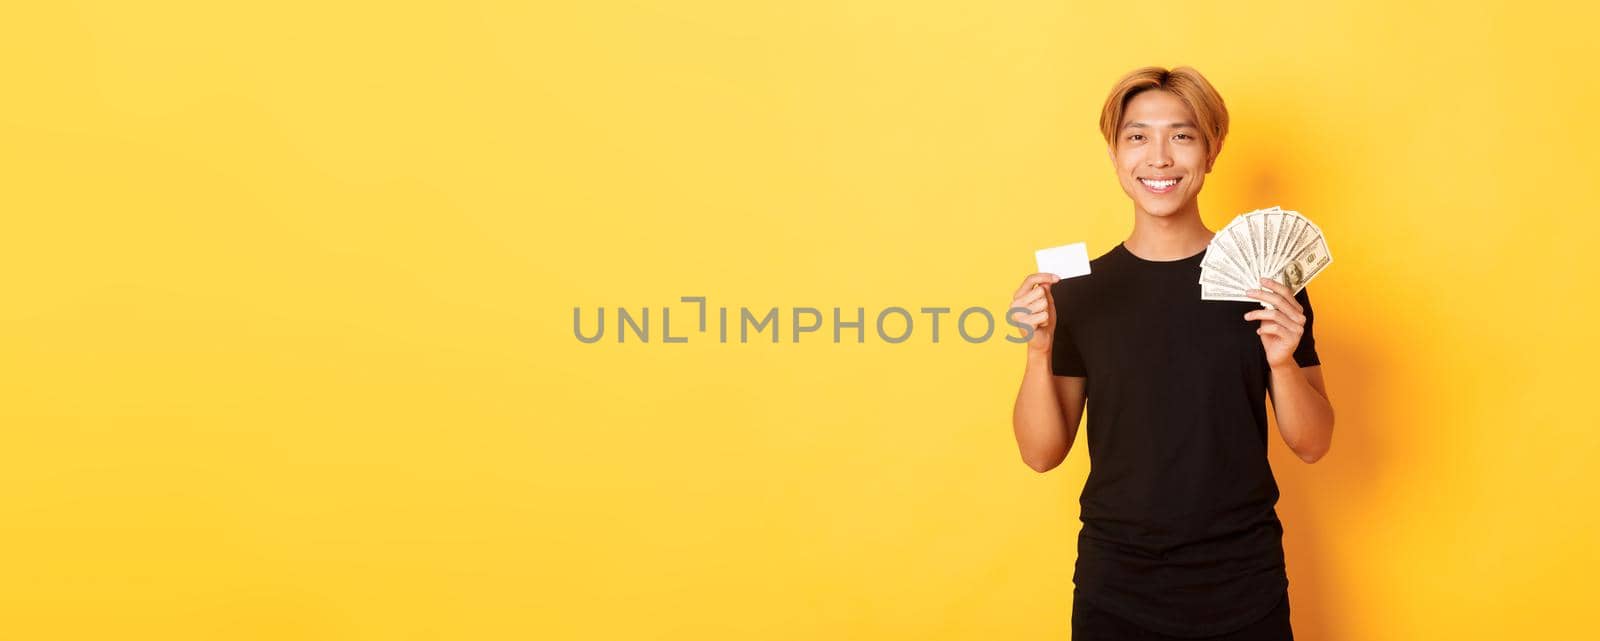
[[1276, 243]]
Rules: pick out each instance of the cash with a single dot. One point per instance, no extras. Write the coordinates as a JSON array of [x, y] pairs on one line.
[[1275, 243]]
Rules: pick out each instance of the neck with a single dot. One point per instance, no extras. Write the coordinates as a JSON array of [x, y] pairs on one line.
[[1180, 234]]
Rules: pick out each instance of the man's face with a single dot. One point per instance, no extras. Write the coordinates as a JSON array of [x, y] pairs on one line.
[[1158, 144]]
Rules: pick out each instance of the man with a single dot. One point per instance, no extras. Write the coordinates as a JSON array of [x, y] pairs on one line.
[[1180, 537]]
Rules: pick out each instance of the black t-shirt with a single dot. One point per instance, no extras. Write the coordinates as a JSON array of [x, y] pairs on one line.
[[1180, 533]]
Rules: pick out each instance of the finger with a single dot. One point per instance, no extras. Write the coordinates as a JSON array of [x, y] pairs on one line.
[[1032, 295], [1032, 304], [1051, 299], [1283, 291], [1032, 325], [1289, 334], [1035, 279], [1266, 295], [1280, 315], [1278, 302]]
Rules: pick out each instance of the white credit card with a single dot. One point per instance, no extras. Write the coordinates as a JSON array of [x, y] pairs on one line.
[[1066, 261]]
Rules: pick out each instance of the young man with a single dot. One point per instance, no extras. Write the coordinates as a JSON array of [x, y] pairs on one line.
[[1180, 537]]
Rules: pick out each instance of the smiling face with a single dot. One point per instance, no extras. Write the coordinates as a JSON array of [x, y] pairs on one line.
[[1160, 156]]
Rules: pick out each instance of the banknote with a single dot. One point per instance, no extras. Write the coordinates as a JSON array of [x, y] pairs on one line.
[[1275, 243], [1223, 262]]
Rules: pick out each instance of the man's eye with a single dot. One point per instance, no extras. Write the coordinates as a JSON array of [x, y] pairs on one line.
[[1183, 135], [1135, 136]]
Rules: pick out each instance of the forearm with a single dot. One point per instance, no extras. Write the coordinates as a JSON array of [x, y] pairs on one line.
[[1305, 417], [1036, 419]]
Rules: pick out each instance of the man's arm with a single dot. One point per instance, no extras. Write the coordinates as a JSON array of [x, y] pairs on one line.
[[1047, 413], [1305, 417], [1048, 408]]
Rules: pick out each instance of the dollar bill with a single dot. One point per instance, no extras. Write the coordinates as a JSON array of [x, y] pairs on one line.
[[1239, 232], [1286, 236], [1305, 266], [1258, 237], [1222, 264], [1275, 243], [1213, 292]]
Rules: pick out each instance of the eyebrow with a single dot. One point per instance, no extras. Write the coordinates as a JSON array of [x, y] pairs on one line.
[[1176, 125]]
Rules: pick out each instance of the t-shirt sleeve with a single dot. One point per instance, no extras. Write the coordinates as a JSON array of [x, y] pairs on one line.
[[1306, 354], [1065, 360]]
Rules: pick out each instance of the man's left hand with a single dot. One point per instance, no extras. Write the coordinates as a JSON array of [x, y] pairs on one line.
[[1280, 328]]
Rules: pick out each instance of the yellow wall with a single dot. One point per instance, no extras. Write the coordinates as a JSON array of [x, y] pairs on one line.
[[288, 291]]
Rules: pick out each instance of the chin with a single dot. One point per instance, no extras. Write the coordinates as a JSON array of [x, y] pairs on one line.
[[1161, 208]]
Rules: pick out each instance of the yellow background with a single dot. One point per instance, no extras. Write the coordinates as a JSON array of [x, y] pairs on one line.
[[288, 292]]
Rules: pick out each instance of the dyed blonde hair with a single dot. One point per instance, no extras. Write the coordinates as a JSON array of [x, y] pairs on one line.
[[1184, 82]]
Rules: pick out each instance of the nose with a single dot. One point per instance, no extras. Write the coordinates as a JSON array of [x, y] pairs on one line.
[[1159, 157]]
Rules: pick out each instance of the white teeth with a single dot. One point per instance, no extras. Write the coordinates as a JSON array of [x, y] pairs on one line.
[[1161, 184]]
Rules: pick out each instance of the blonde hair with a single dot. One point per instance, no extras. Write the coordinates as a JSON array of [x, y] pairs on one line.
[[1184, 82]]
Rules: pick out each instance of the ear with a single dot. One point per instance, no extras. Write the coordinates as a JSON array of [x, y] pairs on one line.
[[1112, 155]]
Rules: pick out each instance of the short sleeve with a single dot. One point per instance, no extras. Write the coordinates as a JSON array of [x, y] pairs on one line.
[[1306, 354], [1065, 360]]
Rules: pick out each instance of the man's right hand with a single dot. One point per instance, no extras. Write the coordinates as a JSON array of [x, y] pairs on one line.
[[1034, 294]]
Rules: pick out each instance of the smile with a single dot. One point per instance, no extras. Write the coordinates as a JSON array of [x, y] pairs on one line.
[[1160, 186]]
